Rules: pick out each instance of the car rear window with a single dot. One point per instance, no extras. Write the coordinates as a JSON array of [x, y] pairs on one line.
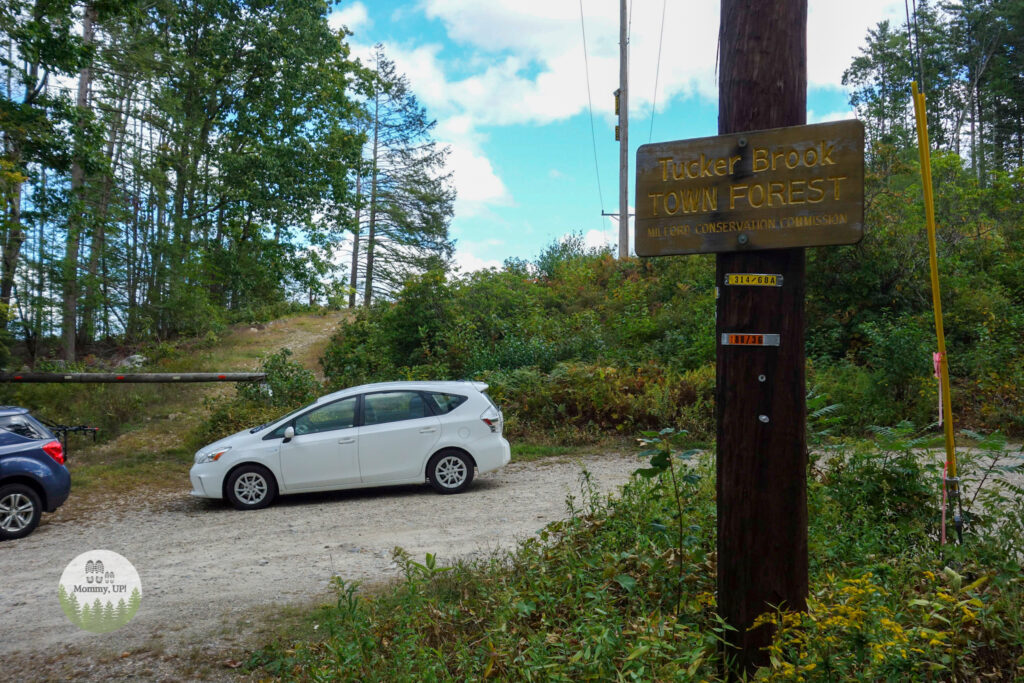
[[393, 406], [446, 403], [25, 426]]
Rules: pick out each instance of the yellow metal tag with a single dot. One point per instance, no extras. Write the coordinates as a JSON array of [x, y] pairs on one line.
[[754, 279]]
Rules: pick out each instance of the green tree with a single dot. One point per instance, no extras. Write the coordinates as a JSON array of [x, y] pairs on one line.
[[410, 195]]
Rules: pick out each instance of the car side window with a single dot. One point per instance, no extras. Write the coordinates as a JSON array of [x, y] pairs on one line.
[[394, 406], [337, 415], [446, 403]]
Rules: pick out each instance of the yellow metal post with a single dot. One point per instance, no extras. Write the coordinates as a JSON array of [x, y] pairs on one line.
[[929, 211]]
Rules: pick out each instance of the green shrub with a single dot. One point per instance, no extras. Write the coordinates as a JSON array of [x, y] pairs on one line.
[[624, 589], [287, 382], [288, 386], [605, 398]]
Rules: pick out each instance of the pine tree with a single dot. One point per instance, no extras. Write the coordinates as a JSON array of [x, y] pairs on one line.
[[410, 196]]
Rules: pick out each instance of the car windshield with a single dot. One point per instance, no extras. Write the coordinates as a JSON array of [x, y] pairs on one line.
[[23, 425], [283, 417]]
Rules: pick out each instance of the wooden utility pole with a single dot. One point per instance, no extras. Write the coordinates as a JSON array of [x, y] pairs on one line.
[[760, 393], [623, 106]]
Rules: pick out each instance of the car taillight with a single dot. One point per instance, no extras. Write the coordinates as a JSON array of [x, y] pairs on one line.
[[493, 424], [55, 451]]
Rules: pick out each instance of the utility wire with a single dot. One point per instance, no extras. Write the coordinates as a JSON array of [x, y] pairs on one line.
[[590, 105], [657, 70], [915, 41]]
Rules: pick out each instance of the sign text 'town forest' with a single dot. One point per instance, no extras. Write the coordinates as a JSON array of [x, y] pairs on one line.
[[801, 186]]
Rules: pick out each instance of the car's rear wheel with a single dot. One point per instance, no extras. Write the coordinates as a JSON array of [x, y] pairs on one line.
[[251, 487], [450, 472], [20, 509]]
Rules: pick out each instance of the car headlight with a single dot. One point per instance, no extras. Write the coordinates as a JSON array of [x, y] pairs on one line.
[[211, 455]]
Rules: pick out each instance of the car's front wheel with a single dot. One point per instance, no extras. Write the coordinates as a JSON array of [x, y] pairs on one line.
[[251, 487], [20, 509], [450, 472]]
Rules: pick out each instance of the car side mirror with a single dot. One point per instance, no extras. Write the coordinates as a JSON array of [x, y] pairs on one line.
[[289, 433]]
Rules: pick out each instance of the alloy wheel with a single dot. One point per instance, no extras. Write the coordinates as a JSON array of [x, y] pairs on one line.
[[16, 512], [450, 472], [250, 488]]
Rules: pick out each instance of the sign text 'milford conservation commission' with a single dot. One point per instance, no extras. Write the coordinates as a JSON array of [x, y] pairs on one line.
[[801, 186]]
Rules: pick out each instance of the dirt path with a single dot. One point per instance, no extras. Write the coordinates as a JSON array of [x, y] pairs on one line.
[[210, 573]]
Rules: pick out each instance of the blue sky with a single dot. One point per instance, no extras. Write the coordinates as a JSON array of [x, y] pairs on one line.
[[506, 81]]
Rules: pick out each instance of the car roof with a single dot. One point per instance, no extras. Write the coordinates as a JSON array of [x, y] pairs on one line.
[[447, 385], [12, 410]]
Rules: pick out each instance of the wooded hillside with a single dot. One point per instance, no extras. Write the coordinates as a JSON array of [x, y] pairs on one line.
[[171, 166]]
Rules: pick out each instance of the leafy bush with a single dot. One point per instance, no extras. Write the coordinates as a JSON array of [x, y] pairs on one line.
[[288, 386], [624, 589], [287, 383], [575, 313]]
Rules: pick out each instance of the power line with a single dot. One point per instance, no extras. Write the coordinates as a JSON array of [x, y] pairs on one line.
[[590, 105], [657, 70], [915, 41]]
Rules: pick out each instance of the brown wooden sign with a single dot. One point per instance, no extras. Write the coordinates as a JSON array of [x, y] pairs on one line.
[[801, 186]]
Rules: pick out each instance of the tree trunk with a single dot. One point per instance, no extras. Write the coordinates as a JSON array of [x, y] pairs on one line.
[[354, 277], [93, 296], [76, 218], [370, 236], [13, 240]]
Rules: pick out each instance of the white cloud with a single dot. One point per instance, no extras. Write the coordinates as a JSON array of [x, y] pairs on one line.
[[599, 239], [476, 184], [609, 236], [521, 62], [354, 17], [533, 68], [466, 262], [838, 115], [836, 32]]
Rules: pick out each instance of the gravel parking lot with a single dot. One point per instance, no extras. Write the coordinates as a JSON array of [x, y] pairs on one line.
[[208, 571]]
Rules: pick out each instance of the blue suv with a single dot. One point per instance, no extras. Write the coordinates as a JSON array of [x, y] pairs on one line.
[[33, 477]]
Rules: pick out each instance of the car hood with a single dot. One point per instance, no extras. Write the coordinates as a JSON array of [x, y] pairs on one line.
[[236, 439]]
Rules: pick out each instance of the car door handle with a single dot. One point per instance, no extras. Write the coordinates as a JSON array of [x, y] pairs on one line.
[[428, 430], [347, 439]]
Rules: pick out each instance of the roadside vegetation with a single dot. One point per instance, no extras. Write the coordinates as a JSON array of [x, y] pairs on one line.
[[624, 589]]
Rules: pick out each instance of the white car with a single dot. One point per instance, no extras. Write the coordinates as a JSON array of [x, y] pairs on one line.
[[371, 435]]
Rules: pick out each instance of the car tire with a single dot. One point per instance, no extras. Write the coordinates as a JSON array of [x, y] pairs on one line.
[[20, 509], [450, 471], [251, 487]]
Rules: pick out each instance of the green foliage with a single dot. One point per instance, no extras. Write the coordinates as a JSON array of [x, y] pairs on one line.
[[410, 193], [582, 342], [113, 408], [214, 158], [605, 398], [597, 596], [659, 449], [288, 386]]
